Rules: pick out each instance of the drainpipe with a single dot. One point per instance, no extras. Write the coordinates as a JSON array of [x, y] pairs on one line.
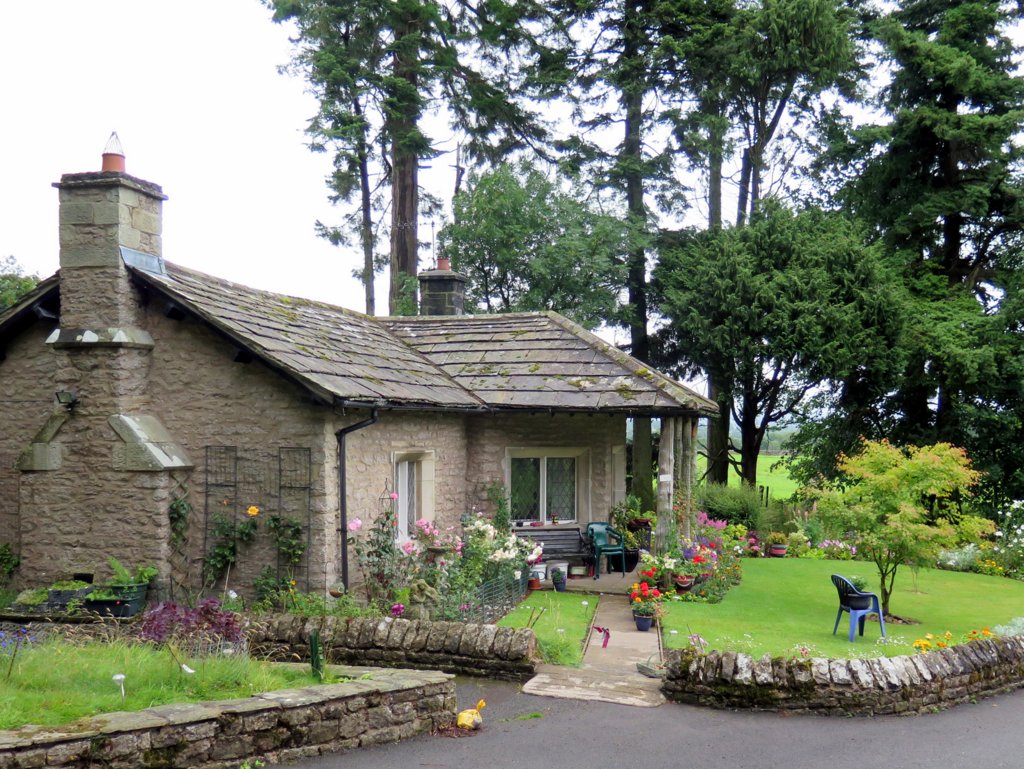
[[343, 490]]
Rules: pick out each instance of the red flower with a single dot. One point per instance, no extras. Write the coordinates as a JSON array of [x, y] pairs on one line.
[[698, 559], [634, 595], [655, 592]]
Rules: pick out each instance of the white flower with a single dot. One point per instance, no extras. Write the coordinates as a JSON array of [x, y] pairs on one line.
[[232, 595], [517, 574], [187, 669]]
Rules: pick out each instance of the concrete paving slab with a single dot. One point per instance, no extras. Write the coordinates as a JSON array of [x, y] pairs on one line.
[[608, 673]]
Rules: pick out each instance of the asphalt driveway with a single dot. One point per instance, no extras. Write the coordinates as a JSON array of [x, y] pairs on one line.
[[522, 730]]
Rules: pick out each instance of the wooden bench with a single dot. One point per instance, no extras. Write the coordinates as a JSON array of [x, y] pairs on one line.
[[563, 543]]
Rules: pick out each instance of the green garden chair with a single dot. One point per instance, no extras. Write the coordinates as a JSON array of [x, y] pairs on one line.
[[600, 535]]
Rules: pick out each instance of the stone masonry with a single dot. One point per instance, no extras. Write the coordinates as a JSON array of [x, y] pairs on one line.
[[884, 686], [378, 706], [454, 647]]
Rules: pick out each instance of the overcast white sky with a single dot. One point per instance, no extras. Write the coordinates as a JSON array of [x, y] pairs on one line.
[[192, 89]]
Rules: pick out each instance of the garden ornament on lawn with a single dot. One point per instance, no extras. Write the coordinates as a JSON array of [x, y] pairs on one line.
[[421, 597], [471, 719], [858, 604]]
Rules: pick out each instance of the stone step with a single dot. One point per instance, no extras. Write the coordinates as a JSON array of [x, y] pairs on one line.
[[593, 684]]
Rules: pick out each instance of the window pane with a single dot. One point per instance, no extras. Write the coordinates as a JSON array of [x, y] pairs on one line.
[[411, 494], [561, 487], [525, 491]]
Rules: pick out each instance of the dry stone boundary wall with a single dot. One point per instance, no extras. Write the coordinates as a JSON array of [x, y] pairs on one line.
[[888, 685], [487, 651], [280, 726]]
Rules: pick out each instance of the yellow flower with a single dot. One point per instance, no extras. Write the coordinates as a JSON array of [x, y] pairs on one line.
[[929, 636], [252, 511], [293, 583], [949, 635], [986, 631]]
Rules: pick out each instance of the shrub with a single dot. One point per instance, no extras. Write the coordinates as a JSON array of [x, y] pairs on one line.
[[1014, 627], [959, 558], [734, 504]]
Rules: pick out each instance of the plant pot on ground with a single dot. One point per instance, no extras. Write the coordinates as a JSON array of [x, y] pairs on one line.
[[124, 594], [558, 580], [61, 593]]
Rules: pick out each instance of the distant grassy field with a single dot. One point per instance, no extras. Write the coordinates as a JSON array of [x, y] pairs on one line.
[[780, 485]]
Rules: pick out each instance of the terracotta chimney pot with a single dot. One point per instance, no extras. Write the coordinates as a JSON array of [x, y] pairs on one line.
[[113, 155]]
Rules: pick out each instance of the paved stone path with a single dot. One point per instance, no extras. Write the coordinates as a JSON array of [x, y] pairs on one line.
[[608, 674]]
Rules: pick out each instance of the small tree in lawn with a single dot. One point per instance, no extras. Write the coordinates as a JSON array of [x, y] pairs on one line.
[[897, 501]]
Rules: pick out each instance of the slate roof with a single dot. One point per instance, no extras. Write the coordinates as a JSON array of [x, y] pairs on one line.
[[542, 361], [522, 361], [337, 353]]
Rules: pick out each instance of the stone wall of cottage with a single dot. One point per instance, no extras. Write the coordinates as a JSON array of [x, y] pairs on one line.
[[884, 686], [489, 438], [27, 376], [216, 407], [379, 706], [371, 454]]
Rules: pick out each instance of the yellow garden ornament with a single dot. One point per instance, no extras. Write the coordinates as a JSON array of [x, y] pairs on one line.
[[471, 719]]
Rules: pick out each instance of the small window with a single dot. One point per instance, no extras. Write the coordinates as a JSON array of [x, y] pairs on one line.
[[544, 485], [414, 485]]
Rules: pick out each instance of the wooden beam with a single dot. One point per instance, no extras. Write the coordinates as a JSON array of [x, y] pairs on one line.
[[666, 465]]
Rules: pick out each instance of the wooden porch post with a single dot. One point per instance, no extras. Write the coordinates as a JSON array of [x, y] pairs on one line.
[[666, 463], [687, 463]]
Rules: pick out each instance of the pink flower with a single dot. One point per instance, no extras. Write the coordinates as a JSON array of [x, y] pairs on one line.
[[394, 495], [355, 524], [409, 547]]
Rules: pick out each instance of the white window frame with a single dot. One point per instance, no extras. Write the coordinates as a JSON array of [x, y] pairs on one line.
[[423, 462], [579, 453]]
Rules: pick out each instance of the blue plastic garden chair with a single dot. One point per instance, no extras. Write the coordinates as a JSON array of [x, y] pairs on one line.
[[600, 534], [858, 604]]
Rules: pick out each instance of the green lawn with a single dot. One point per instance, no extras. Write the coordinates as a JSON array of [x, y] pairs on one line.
[[785, 603], [53, 682], [780, 485], [562, 627]]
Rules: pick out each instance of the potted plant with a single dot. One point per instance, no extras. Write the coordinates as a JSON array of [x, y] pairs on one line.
[[124, 594], [558, 580], [777, 544], [64, 591], [645, 602]]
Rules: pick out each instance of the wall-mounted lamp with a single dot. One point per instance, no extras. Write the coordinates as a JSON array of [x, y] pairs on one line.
[[67, 398]]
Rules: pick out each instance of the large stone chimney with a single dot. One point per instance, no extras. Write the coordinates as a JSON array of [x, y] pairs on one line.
[[442, 291], [96, 477], [104, 215]]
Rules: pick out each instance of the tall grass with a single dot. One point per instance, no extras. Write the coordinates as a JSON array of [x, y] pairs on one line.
[[562, 626], [53, 681]]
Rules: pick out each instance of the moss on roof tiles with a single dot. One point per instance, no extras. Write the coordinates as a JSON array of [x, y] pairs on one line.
[[503, 361]]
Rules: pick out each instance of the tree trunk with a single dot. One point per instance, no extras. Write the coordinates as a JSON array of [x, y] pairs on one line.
[[750, 440], [366, 226], [632, 93], [404, 186], [643, 464], [718, 435], [744, 191]]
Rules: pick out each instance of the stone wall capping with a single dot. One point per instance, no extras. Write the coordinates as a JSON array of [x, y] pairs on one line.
[[454, 647], [902, 685], [273, 726]]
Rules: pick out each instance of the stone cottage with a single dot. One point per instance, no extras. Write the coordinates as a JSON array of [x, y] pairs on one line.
[[127, 383]]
